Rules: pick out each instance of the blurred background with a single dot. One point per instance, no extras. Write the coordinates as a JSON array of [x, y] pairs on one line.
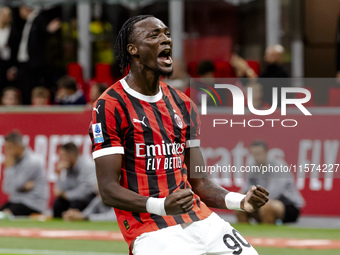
[[80, 35], [57, 57]]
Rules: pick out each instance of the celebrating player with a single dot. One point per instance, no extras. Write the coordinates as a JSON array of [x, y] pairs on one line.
[[145, 137]]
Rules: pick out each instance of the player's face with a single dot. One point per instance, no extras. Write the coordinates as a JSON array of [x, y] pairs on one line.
[[154, 45], [260, 154]]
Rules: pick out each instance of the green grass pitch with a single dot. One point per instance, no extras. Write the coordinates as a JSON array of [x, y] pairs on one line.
[[29, 246]]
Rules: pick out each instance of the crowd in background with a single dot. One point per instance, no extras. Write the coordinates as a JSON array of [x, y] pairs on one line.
[[24, 76], [36, 46], [30, 37]]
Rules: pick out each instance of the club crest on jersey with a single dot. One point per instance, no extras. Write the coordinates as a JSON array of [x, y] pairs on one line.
[[178, 120], [97, 133]]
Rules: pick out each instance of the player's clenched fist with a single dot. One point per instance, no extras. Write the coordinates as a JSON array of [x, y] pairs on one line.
[[179, 202], [256, 197]]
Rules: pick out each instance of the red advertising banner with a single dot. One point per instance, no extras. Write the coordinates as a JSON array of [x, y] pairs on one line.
[[44, 132], [314, 140]]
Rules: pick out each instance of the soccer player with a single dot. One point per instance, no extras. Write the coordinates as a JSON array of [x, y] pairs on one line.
[[145, 137]]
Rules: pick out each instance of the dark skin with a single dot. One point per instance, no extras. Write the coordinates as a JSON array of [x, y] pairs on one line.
[[150, 37], [214, 195]]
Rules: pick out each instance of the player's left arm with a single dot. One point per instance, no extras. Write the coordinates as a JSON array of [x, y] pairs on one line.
[[214, 195]]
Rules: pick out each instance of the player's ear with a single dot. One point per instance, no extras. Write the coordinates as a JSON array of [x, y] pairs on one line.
[[132, 49]]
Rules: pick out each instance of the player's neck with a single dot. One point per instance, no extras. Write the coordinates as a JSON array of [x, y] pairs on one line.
[[144, 82]]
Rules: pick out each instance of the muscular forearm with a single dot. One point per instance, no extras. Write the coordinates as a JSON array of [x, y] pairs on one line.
[[210, 193], [216, 196], [121, 198], [112, 193]]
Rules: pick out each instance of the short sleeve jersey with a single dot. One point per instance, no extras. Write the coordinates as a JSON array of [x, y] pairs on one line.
[[151, 133]]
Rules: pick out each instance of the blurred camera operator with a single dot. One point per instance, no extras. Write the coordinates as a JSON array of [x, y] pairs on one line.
[[76, 185], [285, 201], [24, 179]]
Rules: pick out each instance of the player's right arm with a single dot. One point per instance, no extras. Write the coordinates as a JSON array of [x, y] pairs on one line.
[[108, 121], [108, 169]]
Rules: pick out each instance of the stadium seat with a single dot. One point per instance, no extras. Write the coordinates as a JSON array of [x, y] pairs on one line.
[[223, 69], [254, 65], [103, 74], [76, 71], [334, 97], [192, 69]]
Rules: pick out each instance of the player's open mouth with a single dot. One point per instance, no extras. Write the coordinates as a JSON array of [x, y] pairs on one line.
[[165, 56]]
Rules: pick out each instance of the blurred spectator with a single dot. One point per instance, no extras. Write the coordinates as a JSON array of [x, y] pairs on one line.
[[95, 211], [24, 178], [68, 93], [10, 96], [205, 69], [75, 187], [241, 67], [180, 79], [257, 96], [40, 96], [31, 69], [285, 201], [5, 39], [274, 63], [274, 69], [95, 91]]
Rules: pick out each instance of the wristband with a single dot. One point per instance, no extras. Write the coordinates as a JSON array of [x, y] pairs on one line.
[[233, 201], [156, 206]]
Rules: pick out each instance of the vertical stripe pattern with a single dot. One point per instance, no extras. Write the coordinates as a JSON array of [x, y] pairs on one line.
[[153, 135]]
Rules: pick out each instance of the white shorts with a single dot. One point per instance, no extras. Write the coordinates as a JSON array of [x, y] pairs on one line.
[[211, 236]]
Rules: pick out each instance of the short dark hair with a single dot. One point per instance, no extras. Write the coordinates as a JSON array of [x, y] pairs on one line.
[[15, 137], [259, 143], [70, 148], [205, 66], [123, 39], [67, 82]]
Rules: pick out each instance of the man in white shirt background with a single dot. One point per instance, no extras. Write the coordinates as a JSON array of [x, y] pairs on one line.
[[5, 49], [30, 70]]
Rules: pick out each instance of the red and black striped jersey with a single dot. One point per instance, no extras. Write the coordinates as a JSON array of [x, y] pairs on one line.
[[152, 133]]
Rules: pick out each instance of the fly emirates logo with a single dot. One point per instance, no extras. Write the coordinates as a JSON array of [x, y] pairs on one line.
[[155, 155]]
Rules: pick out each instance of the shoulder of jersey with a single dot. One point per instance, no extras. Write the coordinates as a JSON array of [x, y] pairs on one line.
[[166, 88], [105, 96]]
